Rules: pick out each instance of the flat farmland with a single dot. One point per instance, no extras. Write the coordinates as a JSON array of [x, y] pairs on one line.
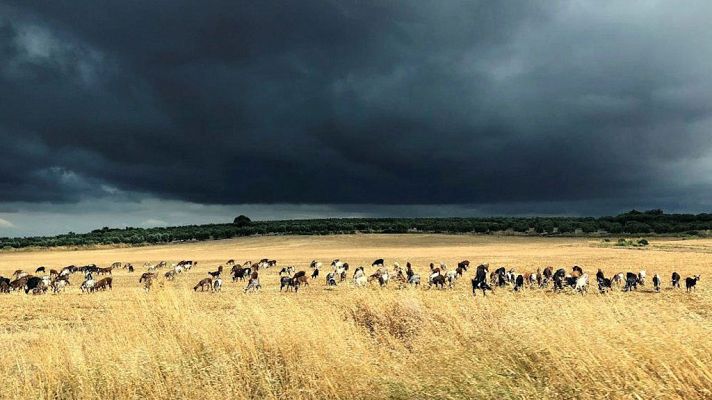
[[348, 342]]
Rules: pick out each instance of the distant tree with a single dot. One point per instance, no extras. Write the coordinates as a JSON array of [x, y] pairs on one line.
[[242, 220]]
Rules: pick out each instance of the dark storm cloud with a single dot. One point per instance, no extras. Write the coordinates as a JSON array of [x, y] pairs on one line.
[[378, 102]]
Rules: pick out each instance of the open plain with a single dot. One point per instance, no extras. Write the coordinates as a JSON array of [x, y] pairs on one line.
[[347, 342]]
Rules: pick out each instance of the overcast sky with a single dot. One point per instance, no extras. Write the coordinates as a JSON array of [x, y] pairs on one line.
[[147, 113]]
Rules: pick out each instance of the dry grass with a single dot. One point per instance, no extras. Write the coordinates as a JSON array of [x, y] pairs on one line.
[[362, 343]]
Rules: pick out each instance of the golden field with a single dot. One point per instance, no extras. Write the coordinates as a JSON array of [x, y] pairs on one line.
[[369, 343]]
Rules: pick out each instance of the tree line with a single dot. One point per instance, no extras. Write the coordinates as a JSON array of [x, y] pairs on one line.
[[630, 223]]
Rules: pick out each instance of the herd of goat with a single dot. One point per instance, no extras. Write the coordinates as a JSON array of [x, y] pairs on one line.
[[439, 276]]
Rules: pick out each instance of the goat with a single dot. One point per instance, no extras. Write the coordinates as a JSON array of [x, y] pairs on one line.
[[88, 285], [330, 278], [582, 284], [204, 284], [691, 282], [217, 284], [254, 282], [631, 282], [216, 274], [656, 282], [147, 275], [641, 277], [559, 276], [102, 284], [675, 280]]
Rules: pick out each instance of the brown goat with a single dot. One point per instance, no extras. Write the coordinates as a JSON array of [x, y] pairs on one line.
[[203, 284]]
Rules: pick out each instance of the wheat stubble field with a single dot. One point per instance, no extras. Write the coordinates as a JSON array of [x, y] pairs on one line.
[[346, 342]]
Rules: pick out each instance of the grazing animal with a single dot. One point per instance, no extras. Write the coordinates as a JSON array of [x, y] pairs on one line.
[[35, 284], [4, 285], [170, 275], [576, 271], [401, 279], [518, 283], [675, 280], [360, 277], [187, 264], [131, 268], [40, 269], [315, 264], [481, 272], [59, 284], [240, 273], [284, 282], [450, 277], [377, 263], [499, 277], [315, 273], [217, 284], [287, 271], [102, 284], [330, 278], [147, 275], [204, 284], [19, 283], [216, 274], [604, 285], [619, 279], [88, 285], [510, 276], [381, 276], [641, 277], [438, 281], [656, 282], [582, 284], [600, 275], [691, 282], [230, 262], [103, 271], [91, 268], [462, 268], [409, 270], [631, 281], [547, 274], [559, 276], [254, 282], [480, 279], [116, 265], [148, 283]]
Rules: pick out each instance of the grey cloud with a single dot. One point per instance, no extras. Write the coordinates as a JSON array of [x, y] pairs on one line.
[[363, 103]]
